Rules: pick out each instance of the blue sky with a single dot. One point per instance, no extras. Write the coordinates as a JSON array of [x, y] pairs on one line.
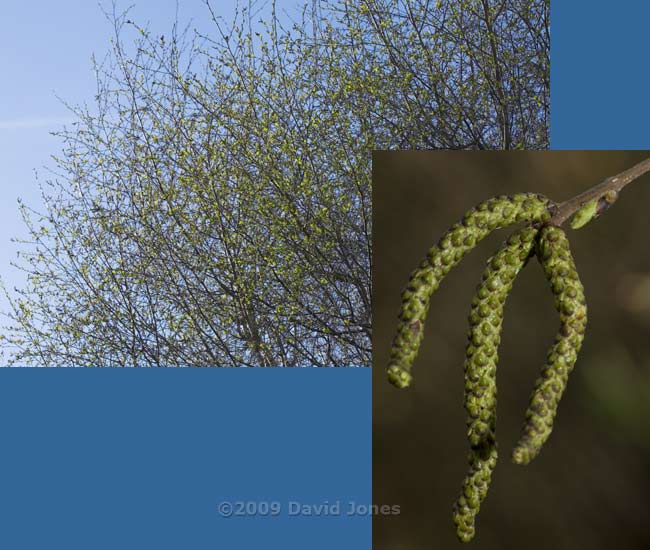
[[45, 51]]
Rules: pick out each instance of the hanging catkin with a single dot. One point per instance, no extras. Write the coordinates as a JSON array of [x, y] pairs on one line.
[[441, 258]]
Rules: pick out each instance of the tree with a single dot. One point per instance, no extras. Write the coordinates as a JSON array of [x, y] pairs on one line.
[[214, 208]]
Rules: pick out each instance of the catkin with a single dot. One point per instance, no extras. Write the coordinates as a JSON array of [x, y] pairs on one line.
[[485, 320], [555, 256], [484, 335], [450, 249], [482, 461]]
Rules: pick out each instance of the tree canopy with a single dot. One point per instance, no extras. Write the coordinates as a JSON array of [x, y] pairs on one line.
[[213, 206]]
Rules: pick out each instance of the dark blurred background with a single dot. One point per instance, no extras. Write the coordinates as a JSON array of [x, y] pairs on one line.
[[590, 486]]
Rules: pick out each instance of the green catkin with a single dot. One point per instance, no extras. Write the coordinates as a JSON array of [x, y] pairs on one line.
[[484, 335], [482, 461], [555, 256], [450, 249], [485, 321]]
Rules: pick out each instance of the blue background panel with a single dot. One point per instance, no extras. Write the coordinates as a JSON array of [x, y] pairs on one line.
[[599, 74], [142, 458]]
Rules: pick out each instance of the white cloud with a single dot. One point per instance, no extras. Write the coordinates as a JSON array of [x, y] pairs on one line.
[[37, 122]]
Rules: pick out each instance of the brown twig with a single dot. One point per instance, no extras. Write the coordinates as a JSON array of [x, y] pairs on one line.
[[612, 184]]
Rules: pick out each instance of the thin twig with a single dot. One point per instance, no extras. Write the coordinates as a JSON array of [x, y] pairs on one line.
[[612, 184]]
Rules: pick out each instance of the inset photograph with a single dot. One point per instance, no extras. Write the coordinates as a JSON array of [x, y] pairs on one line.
[[526, 272]]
